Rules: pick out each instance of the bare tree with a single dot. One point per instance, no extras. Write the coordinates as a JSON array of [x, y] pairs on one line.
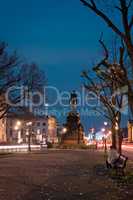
[[108, 83], [124, 30], [14, 73], [8, 76], [34, 80], [33, 77], [124, 11]]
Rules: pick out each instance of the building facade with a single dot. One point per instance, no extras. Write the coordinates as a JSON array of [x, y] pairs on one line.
[[41, 129], [19, 127], [52, 130], [130, 131], [2, 131]]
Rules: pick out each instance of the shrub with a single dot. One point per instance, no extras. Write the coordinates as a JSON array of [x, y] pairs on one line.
[[76, 146], [49, 145]]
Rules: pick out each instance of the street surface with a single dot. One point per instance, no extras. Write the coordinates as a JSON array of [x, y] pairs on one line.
[[128, 151], [57, 175]]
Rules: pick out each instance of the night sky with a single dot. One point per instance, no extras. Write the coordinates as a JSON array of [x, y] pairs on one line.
[[60, 35]]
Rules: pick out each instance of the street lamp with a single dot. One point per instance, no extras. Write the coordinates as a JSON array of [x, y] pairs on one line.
[[64, 130], [103, 130], [29, 124], [105, 123], [18, 123], [104, 139], [16, 128]]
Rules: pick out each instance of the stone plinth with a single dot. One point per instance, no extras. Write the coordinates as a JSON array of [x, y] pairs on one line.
[[75, 132]]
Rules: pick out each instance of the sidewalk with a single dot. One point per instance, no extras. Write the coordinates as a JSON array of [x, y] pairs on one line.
[[59, 175]]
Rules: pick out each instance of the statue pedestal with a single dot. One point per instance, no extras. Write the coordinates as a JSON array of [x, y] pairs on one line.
[[75, 131]]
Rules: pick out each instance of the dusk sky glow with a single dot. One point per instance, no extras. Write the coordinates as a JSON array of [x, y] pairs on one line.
[[59, 35]]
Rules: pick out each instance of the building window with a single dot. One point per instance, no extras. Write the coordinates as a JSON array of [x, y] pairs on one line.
[[11, 132], [10, 123], [44, 124], [38, 123], [43, 130]]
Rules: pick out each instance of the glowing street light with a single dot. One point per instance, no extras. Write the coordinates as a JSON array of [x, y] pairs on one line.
[[18, 123], [105, 123], [16, 128], [110, 132], [103, 129], [64, 130]]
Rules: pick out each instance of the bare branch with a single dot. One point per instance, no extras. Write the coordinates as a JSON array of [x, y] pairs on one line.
[[105, 49], [103, 16], [118, 8], [3, 112], [93, 3], [131, 23], [129, 4]]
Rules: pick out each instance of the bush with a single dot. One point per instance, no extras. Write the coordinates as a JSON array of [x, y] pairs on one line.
[[49, 145], [76, 146]]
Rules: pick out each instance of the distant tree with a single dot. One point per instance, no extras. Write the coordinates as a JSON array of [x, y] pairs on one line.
[[33, 77], [9, 63], [13, 74], [34, 80]]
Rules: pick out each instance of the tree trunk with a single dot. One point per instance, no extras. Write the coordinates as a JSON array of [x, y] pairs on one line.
[[113, 137], [120, 142], [78, 136], [117, 133], [129, 46]]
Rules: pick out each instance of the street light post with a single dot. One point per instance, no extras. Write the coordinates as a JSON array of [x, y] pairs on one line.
[[105, 143], [117, 135], [63, 132], [29, 124], [105, 136], [105, 124], [104, 140]]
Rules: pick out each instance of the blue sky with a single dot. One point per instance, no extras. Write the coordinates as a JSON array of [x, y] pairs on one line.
[[60, 35]]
